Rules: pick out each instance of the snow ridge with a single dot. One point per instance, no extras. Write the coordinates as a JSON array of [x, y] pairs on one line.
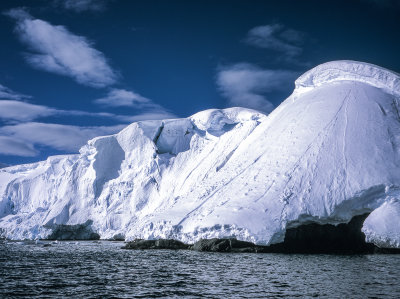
[[352, 71]]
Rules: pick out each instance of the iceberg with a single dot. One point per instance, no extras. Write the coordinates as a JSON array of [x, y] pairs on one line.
[[328, 153]]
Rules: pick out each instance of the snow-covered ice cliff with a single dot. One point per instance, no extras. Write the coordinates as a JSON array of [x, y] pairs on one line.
[[329, 152]]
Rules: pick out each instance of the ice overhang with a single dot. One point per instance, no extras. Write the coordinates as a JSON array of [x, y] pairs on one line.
[[347, 70]]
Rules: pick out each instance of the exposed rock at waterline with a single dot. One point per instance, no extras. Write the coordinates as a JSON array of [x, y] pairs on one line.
[[225, 245], [155, 244], [313, 238]]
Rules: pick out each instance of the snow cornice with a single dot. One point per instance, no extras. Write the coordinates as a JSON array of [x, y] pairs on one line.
[[347, 70]]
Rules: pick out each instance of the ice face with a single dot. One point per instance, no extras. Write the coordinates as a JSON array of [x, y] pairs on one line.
[[382, 227], [327, 153]]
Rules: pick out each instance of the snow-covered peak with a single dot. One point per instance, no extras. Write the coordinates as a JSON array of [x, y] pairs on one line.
[[216, 118], [347, 70]]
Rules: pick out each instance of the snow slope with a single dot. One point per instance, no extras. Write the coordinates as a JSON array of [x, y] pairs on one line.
[[327, 153]]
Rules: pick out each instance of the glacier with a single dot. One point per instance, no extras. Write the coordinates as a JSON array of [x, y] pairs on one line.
[[329, 152]]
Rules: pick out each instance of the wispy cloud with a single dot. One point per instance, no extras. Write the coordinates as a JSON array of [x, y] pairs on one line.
[[127, 98], [6, 93], [55, 49], [278, 38], [60, 137], [123, 97], [21, 111], [13, 146], [11, 110], [247, 85], [22, 137], [82, 5], [59, 51]]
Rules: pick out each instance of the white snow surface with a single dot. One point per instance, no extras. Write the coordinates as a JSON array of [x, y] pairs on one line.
[[329, 152]]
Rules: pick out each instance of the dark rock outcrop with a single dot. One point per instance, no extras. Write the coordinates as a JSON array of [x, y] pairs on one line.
[[345, 238], [155, 244], [225, 245], [73, 232]]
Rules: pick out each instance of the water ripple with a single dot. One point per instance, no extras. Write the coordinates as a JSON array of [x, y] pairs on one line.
[[103, 270]]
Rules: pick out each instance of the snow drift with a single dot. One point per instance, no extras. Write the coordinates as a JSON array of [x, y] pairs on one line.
[[328, 153]]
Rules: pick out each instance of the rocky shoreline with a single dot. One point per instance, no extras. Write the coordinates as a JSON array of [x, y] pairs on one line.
[[227, 245], [312, 238], [209, 245], [237, 246]]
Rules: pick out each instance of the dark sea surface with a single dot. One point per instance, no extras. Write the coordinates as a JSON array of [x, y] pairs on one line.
[[103, 270]]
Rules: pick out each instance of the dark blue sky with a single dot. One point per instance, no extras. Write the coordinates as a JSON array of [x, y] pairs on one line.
[[74, 69]]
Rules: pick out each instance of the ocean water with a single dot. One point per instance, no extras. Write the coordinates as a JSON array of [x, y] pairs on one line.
[[103, 270]]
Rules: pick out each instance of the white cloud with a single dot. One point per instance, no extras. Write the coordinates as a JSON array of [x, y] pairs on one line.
[[59, 51], [60, 137], [15, 147], [122, 97], [11, 110], [6, 93], [127, 98], [22, 139], [82, 5], [21, 111], [276, 37], [245, 85]]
